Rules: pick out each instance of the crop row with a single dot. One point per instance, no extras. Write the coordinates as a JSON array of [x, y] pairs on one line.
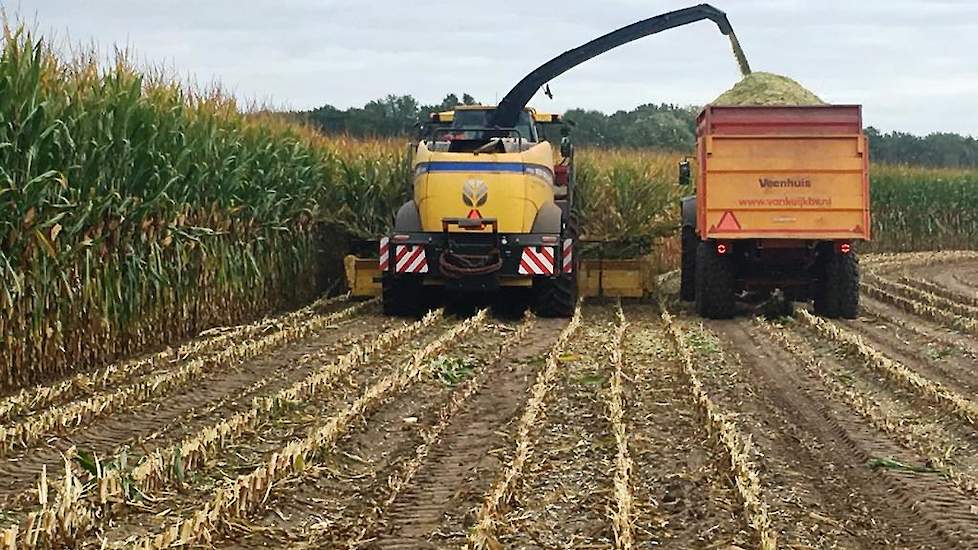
[[622, 515], [736, 446], [910, 434], [483, 534], [247, 493], [30, 430], [30, 399], [950, 401]]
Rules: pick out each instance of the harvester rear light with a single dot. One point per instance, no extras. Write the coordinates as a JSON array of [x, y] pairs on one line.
[[547, 239], [722, 249], [401, 238]]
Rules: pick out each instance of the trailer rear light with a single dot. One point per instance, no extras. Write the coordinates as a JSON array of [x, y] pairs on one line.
[[845, 248], [722, 249]]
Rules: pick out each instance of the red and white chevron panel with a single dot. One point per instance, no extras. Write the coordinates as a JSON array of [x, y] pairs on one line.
[[537, 260], [410, 259], [568, 254], [384, 256]]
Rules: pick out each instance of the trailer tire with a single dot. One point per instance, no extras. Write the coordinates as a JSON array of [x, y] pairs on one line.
[[714, 283], [837, 295], [402, 296], [687, 269]]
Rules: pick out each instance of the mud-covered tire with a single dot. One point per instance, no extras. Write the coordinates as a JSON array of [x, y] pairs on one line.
[[715, 280], [837, 294], [402, 296], [687, 269], [557, 296]]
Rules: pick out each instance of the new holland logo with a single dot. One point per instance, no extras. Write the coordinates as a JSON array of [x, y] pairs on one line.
[[475, 192]]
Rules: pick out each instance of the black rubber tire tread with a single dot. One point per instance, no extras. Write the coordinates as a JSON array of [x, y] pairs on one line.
[[687, 269], [714, 283], [402, 296], [557, 297], [837, 295]]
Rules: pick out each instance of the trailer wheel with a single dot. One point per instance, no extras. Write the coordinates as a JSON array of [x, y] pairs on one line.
[[687, 269], [402, 296], [837, 294], [714, 283]]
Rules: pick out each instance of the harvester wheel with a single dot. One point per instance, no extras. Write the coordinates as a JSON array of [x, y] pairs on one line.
[[403, 296], [837, 294], [557, 296], [687, 270], [714, 283]]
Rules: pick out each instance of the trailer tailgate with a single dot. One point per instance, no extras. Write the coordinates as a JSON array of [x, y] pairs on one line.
[[783, 172]]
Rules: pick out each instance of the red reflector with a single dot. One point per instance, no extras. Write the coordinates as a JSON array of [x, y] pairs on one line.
[[474, 214], [721, 249], [845, 248]]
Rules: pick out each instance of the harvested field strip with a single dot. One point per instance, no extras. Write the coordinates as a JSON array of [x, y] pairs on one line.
[[70, 513], [933, 332], [622, 516], [911, 435], [32, 429], [738, 449], [404, 477], [565, 496], [484, 534], [682, 491], [929, 312], [247, 493], [951, 402], [32, 400], [935, 359], [917, 259], [943, 292], [924, 297], [867, 490]]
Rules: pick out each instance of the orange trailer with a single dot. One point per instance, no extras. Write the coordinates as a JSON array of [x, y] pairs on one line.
[[782, 196]]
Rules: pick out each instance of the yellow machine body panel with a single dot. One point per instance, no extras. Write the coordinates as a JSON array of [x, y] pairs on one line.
[[510, 187]]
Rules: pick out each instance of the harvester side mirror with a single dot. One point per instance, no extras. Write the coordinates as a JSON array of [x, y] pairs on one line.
[[685, 173], [566, 147]]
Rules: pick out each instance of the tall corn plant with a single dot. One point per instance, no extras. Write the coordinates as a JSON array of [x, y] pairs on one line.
[[134, 211]]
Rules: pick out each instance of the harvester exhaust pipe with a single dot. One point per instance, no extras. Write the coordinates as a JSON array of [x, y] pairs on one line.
[[508, 110]]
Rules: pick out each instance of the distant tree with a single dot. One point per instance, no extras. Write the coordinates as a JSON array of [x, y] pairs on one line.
[[662, 126]]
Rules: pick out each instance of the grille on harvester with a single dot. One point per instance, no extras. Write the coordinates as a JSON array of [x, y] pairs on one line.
[[410, 259], [537, 260]]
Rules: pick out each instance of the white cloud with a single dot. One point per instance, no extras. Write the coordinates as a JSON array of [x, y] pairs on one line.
[[910, 62]]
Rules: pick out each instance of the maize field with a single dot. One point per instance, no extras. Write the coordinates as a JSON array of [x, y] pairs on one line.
[[178, 371]]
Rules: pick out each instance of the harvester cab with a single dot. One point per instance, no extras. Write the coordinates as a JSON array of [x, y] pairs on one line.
[[492, 200]]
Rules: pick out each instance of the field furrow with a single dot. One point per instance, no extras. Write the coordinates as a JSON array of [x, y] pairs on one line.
[[218, 506], [565, 496], [683, 497], [490, 520]]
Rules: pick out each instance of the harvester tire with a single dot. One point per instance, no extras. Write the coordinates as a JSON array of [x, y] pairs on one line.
[[403, 296], [837, 294], [715, 279], [557, 296], [687, 270]]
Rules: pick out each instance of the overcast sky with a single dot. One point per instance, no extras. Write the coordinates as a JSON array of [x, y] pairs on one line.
[[913, 64]]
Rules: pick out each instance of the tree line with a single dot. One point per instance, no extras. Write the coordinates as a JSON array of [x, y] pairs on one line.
[[663, 126]]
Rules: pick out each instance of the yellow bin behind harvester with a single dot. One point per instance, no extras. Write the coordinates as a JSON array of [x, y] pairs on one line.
[[609, 278]]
